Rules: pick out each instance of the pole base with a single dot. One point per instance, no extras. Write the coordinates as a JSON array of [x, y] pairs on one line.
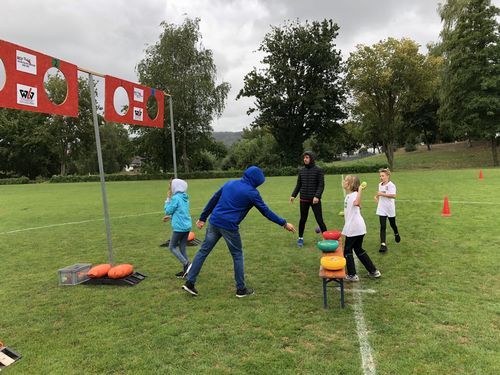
[[130, 280]]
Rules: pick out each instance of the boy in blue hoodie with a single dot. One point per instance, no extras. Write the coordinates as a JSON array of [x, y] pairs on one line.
[[177, 210], [228, 207]]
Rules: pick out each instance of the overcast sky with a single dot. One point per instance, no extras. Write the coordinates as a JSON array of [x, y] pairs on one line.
[[109, 36]]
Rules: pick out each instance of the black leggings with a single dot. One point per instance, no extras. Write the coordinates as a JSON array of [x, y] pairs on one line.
[[383, 226], [356, 243], [304, 212]]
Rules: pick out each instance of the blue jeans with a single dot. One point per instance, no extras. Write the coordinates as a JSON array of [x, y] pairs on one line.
[[233, 241], [177, 246]]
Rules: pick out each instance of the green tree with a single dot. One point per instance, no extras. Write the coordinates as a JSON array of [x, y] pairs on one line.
[[25, 145], [300, 92], [386, 80], [72, 137], [179, 64], [470, 94]]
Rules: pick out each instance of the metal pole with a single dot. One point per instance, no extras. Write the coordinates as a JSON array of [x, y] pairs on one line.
[[101, 168], [173, 135]]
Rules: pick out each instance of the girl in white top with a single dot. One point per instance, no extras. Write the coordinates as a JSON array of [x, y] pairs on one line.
[[386, 207], [355, 230]]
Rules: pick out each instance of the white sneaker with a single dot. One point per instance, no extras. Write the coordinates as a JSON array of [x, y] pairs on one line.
[[351, 278], [375, 274]]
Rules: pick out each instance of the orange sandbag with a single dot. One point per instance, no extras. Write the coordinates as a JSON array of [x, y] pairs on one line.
[[191, 236], [122, 270], [98, 271]]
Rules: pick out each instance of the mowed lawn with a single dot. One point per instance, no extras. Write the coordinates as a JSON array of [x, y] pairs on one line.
[[434, 311]]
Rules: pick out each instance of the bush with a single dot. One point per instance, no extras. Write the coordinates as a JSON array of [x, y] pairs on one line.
[[15, 181], [410, 146]]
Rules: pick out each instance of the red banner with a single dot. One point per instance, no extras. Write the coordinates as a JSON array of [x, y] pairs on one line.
[[25, 70], [138, 97]]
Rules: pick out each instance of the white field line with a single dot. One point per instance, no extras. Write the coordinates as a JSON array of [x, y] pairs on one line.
[[78, 222], [364, 345], [368, 291]]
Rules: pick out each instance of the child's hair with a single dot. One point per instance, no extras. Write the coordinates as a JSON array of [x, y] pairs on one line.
[[352, 183], [387, 171]]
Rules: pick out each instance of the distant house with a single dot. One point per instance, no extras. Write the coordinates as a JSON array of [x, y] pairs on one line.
[[135, 164]]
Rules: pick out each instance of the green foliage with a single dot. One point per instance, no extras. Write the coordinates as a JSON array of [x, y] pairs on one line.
[[180, 65], [300, 92], [14, 181], [388, 79], [470, 95]]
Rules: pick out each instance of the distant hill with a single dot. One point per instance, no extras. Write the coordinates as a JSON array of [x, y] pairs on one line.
[[228, 138]]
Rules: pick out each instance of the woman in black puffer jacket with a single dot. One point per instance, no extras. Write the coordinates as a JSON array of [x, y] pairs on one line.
[[310, 184]]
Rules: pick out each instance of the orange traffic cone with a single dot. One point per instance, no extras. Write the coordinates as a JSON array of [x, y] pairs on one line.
[[481, 177], [446, 207]]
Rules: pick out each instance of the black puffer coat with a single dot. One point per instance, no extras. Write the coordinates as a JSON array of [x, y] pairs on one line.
[[310, 182]]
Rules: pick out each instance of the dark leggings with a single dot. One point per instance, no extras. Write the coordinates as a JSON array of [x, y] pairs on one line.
[[356, 244], [383, 226], [304, 212]]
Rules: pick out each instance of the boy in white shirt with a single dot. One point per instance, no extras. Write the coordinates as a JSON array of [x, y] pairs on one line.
[[354, 230], [386, 207]]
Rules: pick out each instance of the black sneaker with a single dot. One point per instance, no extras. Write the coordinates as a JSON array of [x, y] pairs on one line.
[[187, 267], [180, 275], [240, 293], [397, 238], [383, 248], [165, 244], [189, 287]]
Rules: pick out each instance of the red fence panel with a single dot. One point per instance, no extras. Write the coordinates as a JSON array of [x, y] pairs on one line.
[[24, 87]]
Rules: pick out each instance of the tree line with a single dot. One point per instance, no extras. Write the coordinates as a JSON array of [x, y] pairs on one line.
[[386, 95]]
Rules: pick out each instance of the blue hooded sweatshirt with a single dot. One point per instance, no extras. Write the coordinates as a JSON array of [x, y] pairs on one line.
[[178, 207], [231, 203]]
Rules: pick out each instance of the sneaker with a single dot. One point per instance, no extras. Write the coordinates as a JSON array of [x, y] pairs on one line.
[[240, 293], [383, 248], [180, 275], [351, 278], [397, 238], [187, 267], [300, 242], [165, 244], [189, 287], [375, 274]]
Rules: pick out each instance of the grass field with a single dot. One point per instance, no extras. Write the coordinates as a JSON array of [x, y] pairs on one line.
[[436, 309]]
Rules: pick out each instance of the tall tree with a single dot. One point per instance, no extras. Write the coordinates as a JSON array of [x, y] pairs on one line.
[[300, 92], [180, 65], [470, 95], [73, 137], [386, 80]]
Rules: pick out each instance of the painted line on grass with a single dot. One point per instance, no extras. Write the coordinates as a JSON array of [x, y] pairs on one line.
[[78, 222], [451, 201], [368, 291], [365, 349]]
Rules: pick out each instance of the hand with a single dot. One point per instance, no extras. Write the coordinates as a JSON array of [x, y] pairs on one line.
[[376, 198], [200, 224], [379, 193], [289, 227], [315, 200], [292, 199], [166, 218]]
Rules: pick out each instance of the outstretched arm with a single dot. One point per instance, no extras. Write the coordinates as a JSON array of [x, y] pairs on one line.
[[210, 205]]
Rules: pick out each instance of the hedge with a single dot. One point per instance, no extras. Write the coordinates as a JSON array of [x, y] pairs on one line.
[[284, 171], [14, 181]]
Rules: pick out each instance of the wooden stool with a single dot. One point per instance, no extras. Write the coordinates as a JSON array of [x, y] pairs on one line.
[[335, 276]]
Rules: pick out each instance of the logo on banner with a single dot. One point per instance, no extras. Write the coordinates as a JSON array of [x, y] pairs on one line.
[[138, 95], [25, 62], [138, 113], [27, 95]]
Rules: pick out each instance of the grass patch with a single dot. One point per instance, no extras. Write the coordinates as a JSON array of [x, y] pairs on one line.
[[435, 310], [441, 156]]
